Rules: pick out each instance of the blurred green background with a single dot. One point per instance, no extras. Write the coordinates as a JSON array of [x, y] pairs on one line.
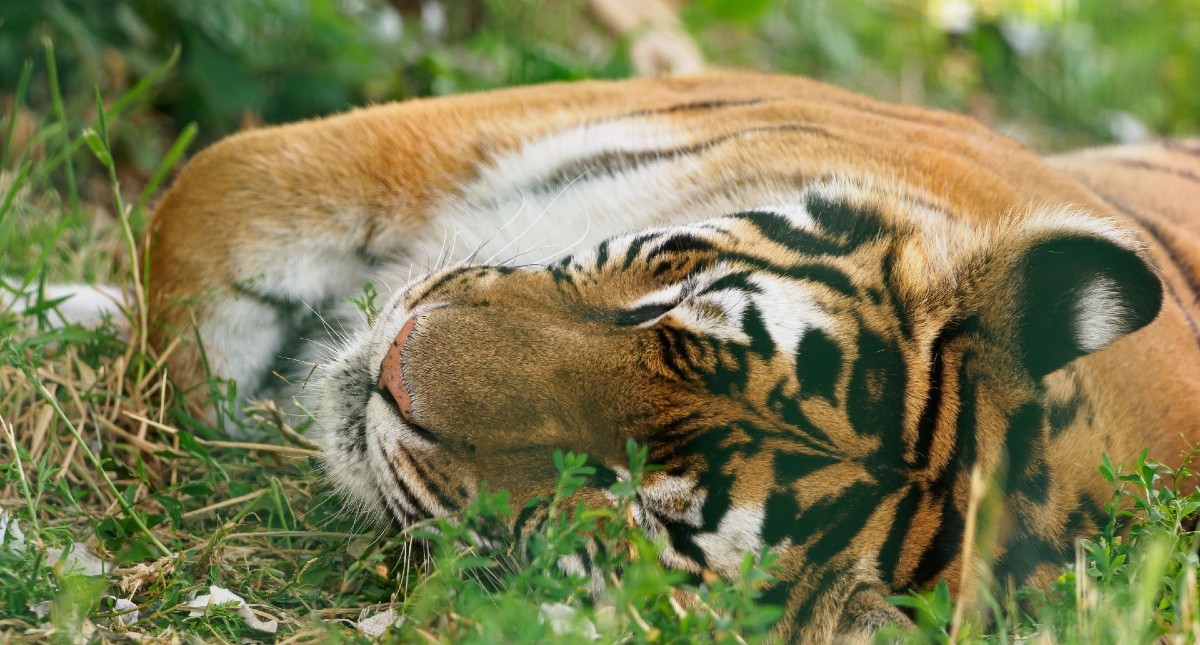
[[1053, 73]]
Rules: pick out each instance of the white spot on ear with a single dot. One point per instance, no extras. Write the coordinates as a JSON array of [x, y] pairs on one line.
[[1100, 315]]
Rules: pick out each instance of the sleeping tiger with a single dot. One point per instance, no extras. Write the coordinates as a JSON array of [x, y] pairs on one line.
[[822, 314]]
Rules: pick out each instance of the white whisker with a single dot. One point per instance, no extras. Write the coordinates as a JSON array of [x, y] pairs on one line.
[[539, 217], [587, 213]]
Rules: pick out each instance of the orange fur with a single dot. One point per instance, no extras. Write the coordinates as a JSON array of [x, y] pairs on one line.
[[964, 210]]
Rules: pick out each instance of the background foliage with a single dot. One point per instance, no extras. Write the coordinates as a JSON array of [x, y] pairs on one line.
[[1061, 71]]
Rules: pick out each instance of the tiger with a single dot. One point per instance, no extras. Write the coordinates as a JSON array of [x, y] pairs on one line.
[[826, 317]]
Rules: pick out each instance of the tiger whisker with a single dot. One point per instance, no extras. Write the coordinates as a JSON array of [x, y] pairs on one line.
[[587, 213], [540, 215]]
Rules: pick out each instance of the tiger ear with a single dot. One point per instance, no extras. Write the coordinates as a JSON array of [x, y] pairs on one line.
[[1078, 289]]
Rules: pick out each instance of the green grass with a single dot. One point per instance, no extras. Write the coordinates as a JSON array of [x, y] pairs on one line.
[[98, 452]]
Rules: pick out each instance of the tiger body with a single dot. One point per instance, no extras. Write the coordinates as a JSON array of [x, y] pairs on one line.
[[821, 313]]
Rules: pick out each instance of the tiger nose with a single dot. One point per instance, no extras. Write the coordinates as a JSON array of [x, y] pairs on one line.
[[391, 372]]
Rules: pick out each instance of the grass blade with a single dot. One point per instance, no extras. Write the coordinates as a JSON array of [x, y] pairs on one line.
[[169, 161], [18, 101], [17, 182], [118, 107], [60, 114], [130, 97], [91, 456], [99, 142]]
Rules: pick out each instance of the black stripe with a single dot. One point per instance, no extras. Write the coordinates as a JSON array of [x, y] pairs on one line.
[[681, 243], [449, 275], [947, 542], [562, 277], [829, 276], [674, 427], [739, 281], [845, 517], [399, 481], [355, 443], [731, 373], [1152, 167], [528, 520], [1028, 472], [611, 162], [779, 229], [602, 254], [643, 314], [302, 324], [800, 428], [431, 483], [901, 312], [875, 395], [668, 353], [902, 520], [398, 515], [932, 411], [635, 247], [755, 327], [806, 610], [676, 108], [818, 365], [857, 226]]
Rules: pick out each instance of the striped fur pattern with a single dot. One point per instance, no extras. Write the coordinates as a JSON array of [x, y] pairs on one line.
[[822, 314]]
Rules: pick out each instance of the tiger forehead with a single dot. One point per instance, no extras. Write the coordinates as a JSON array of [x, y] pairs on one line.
[[783, 234], [751, 252]]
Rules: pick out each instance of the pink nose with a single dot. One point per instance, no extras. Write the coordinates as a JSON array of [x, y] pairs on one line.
[[391, 374]]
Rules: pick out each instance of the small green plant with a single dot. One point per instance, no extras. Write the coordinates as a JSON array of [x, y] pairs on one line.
[[367, 302], [497, 587], [1134, 582]]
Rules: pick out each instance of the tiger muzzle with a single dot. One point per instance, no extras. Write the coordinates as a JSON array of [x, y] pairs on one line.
[[501, 379], [391, 372]]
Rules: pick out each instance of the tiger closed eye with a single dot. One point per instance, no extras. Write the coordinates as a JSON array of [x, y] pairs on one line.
[[645, 313]]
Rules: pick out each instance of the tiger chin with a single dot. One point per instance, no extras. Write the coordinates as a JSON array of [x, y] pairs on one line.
[[824, 316]]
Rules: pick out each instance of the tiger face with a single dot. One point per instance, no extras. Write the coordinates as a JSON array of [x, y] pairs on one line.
[[802, 371]]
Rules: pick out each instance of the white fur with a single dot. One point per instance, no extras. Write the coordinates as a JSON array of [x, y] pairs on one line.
[[536, 227], [85, 304], [247, 335], [787, 312], [728, 327], [670, 295], [1100, 315], [739, 533], [541, 158]]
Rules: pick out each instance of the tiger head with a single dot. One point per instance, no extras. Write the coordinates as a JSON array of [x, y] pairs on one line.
[[801, 371]]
